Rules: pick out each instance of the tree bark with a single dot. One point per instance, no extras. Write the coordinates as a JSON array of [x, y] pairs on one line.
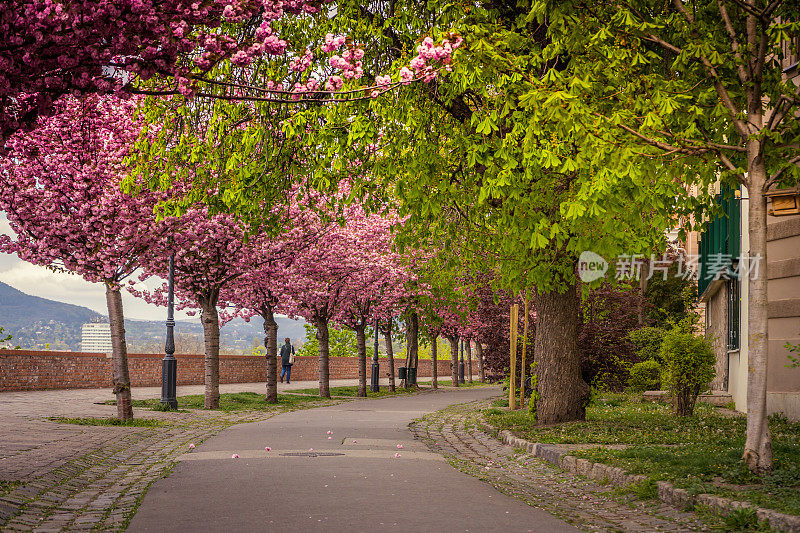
[[361, 346], [271, 344], [210, 321], [412, 338], [390, 355], [643, 289], [453, 359], [758, 444], [119, 352], [479, 351], [563, 393], [323, 336], [434, 363], [468, 351]]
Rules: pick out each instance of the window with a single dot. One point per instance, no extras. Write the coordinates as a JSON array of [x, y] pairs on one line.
[[734, 300]]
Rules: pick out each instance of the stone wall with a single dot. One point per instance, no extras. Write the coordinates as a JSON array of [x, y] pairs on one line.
[[38, 370]]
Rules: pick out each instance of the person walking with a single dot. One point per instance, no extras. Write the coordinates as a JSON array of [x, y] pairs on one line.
[[287, 360]]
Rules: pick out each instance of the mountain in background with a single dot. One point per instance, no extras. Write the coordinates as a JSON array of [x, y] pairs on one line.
[[39, 323]]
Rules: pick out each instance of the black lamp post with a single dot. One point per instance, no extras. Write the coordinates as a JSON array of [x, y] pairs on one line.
[[169, 365], [374, 384], [461, 364]]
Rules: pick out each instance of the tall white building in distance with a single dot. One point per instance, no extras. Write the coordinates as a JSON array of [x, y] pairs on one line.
[[96, 337]]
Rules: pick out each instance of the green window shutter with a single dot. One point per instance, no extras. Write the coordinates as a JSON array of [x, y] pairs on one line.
[[734, 210]]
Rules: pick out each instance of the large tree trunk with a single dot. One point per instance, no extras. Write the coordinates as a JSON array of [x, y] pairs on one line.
[[361, 346], [453, 359], [643, 289], [210, 320], [390, 355], [758, 445], [434, 363], [271, 344], [479, 350], [412, 338], [119, 352], [323, 336], [468, 348], [563, 393]]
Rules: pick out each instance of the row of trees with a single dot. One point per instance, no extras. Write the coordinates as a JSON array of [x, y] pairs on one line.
[[556, 127], [60, 189]]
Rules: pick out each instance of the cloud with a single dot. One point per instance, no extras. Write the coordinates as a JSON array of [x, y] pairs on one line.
[[70, 288]]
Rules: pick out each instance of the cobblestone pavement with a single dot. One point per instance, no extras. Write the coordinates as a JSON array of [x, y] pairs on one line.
[[66, 477], [458, 433]]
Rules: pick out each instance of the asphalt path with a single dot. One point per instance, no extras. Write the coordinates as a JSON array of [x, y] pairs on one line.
[[352, 481]]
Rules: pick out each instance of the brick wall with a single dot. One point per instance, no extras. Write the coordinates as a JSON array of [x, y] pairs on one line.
[[34, 370]]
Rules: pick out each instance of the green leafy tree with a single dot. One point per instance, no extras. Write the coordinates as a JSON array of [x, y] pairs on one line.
[[343, 342], [703, 83], [487, 179]]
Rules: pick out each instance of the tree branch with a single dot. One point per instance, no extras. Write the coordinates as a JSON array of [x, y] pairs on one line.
[[734, 41], [776, 177]]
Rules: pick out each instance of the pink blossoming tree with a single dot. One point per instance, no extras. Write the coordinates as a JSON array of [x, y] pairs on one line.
[[60, 189]]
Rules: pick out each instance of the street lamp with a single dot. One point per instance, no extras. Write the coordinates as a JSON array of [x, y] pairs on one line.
[[461, 364], [169, 365], [374, 384]]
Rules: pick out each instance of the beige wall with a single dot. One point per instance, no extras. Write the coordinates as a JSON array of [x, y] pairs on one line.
[[717, 332], [783, 254]]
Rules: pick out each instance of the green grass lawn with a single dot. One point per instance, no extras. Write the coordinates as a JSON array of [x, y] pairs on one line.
[[701, 453], [236, 401], [351, 391], [134, 422], [449, 382]]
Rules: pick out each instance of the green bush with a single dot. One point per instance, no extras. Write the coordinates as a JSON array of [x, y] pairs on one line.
[[647, 342], [341, 342], [688, 366], [645, 376]]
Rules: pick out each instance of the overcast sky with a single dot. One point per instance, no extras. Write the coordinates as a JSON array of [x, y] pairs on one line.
[[68, 288]]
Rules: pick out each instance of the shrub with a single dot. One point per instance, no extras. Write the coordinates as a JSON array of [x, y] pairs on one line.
[[341, 342], [645, 376], [688, 366], [647, 342]]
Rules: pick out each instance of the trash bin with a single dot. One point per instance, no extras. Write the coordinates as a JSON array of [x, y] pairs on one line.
[[412, 376], [401, 373]]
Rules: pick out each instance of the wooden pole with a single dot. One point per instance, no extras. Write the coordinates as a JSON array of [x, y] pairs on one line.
[[512, 385], [524, 345]]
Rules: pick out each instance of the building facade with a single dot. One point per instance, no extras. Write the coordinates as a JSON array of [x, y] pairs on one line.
[[96, 338], [725, 297]]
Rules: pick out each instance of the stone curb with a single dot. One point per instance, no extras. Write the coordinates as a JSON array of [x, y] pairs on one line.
[[667, 492]]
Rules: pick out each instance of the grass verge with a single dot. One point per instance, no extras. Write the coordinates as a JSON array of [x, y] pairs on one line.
[[235, 401], [134, 422], [352, 391], [701, 453]]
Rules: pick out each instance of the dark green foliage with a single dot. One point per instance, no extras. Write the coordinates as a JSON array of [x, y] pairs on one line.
[[645, 375], [609, 314], [647, 342], [667, 298]]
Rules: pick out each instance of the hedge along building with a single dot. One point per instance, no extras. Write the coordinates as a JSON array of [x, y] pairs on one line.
[[726, 300]]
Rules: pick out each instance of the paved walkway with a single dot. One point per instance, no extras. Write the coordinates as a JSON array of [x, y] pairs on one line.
[[60, 477], [458, 433], [352, 481], [57, 477]]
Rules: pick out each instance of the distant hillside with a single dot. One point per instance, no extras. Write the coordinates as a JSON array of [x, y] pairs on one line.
[[35, 322]]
